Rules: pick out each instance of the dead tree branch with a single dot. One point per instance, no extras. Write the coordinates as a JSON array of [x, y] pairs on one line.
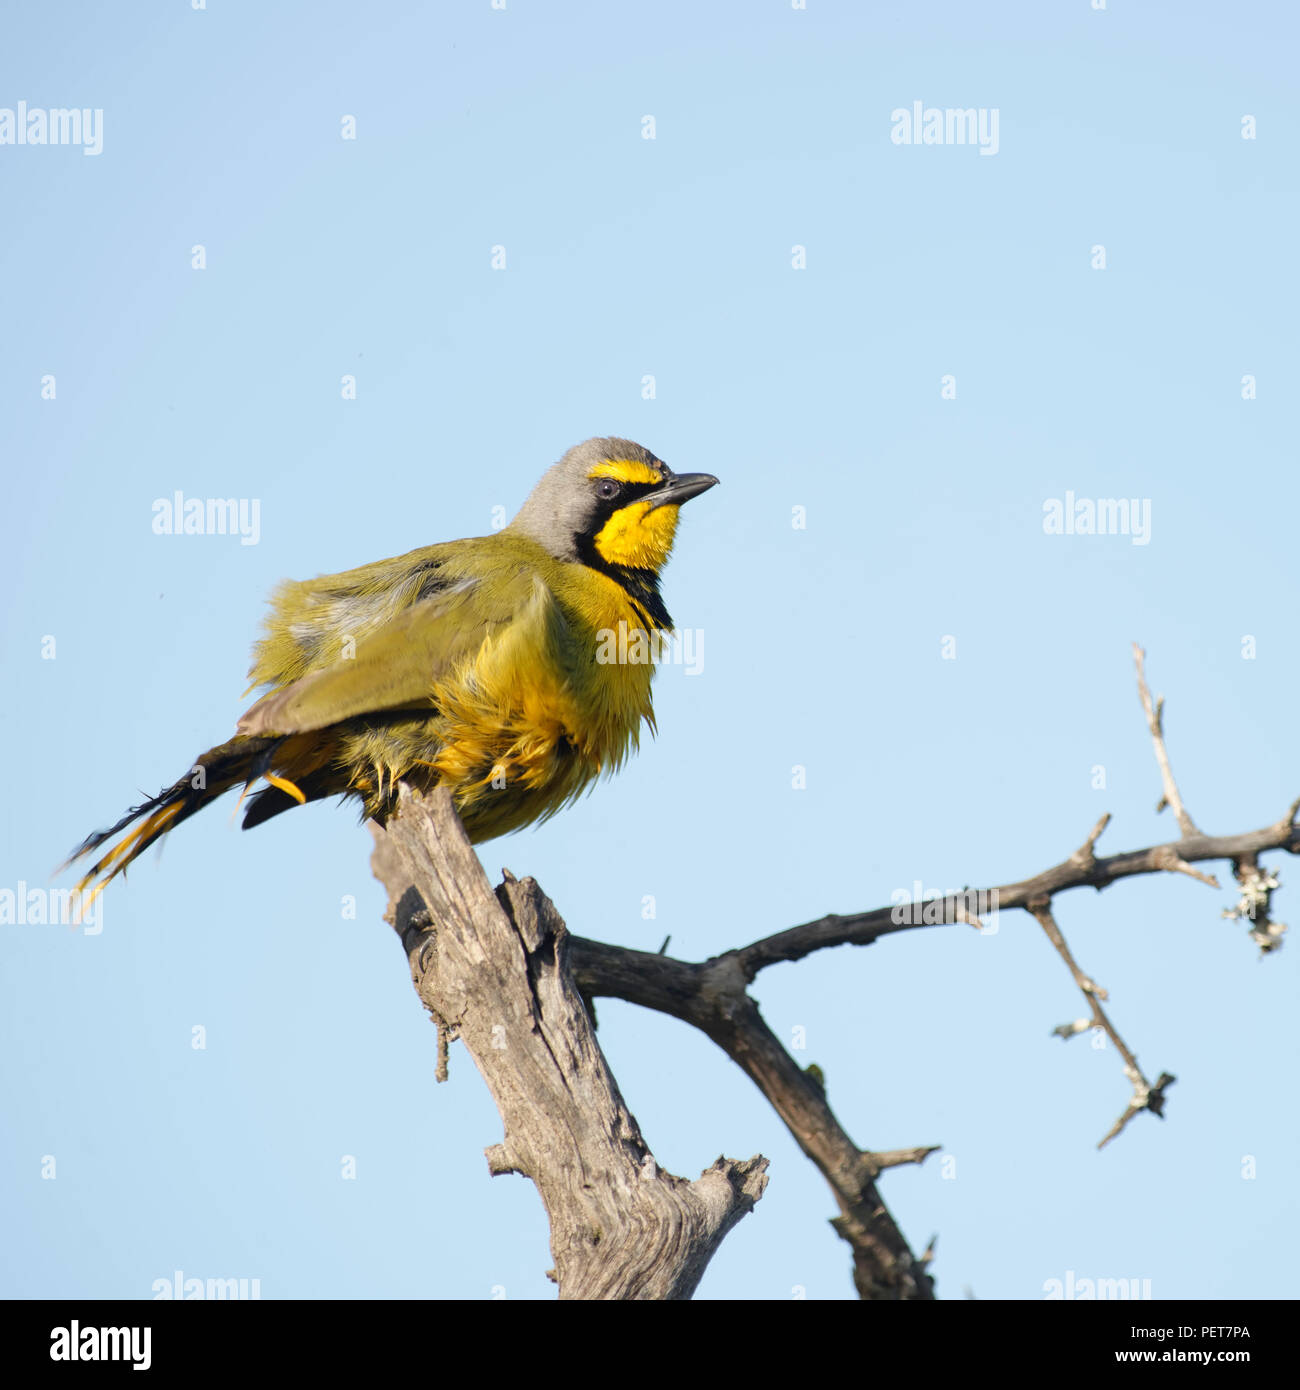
[[712, 997], [493, 970], [509, 960], [883, 1263]]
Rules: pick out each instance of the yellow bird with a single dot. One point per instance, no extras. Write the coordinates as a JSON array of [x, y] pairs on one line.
[[512, 669]]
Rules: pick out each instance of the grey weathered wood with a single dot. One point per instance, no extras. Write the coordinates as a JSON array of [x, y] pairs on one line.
[[712, 997], [492, 968]]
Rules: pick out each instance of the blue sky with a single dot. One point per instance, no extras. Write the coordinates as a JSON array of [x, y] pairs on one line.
[[819, 388]]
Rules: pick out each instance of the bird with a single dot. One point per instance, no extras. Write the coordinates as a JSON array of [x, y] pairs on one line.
[[513, 669]]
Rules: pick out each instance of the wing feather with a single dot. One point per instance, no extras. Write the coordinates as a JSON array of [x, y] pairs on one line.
[[396, 664]]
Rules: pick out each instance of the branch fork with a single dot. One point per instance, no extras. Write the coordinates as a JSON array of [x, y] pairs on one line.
[[494, 968]]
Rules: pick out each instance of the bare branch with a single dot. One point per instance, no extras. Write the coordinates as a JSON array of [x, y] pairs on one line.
[[690, 991], [712, 997], [1156, 723], [1094, 994], [1081, 870]]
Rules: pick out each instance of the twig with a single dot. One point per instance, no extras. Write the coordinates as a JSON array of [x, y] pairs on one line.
[[895, 1158], [1155, 722], [1144, 1098], [1168, 858], [1094, 994]]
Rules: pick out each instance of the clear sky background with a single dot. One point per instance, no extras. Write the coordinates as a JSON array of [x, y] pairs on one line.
[[818, 388]]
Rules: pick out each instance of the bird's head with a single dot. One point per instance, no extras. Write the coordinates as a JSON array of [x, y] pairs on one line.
[[609, 503]]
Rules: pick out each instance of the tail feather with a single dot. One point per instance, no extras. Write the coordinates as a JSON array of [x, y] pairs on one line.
[[242, 759]]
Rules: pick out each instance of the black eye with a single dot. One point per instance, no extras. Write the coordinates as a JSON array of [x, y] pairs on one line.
[[607, 489]]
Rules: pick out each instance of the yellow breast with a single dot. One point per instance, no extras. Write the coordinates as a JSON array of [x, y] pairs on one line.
[[541, 710]]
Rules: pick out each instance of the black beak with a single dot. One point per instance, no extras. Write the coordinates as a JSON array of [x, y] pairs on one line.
[[677, 488]]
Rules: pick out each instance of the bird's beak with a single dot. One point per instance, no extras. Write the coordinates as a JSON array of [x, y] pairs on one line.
[[679, 487]]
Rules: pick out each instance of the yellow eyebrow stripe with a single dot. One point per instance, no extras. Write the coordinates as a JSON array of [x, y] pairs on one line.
[[626, 471]]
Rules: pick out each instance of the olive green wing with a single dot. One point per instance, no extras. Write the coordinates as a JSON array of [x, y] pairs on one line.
[[314, 623], [395, 665]]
